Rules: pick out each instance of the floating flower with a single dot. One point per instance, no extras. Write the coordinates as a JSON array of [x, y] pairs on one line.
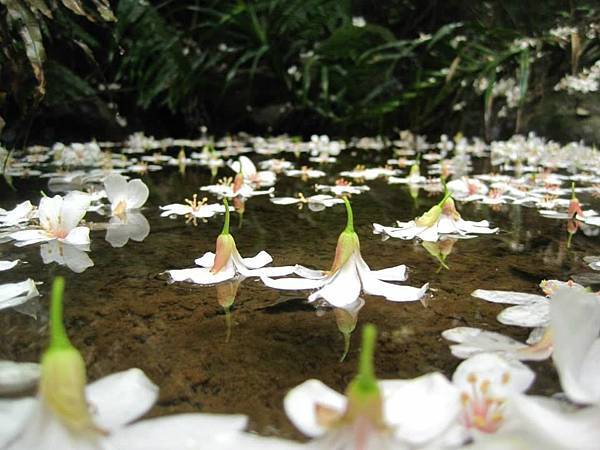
[[59, 219], [374, 415], [441, 219], [125, 195], [315, 202], [342, 187], [349, 275], [246, 168], [226, 262], [198, 209]]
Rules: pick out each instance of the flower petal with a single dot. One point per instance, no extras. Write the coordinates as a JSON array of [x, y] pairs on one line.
[[531, 316], [17, 377], [115, 186], [343, 288], [207, 260], [302, 402], [13, 416], [137, 194], [505, 375], [121, 398], [77, 236], [422, 408], [575, 320], [180, 431], [73, 208], [203, 275], [509, 297], [13, 294], [292, 284], [396, 273], [260, 260]]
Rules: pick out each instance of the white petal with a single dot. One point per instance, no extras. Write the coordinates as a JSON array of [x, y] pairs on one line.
[[247, 166], [137, 194], [13, 417], [256, 261], [506, 375], [30, 236], [121, 398], [312, 274], [202, 275], [422, 408], [49, 212], [207, 260], [531, 316], [284, 200], [292, 284], [7, 265], [78, 236], [260, 260], [73, 208], [475, 340], [396, 273], [509, 297], [13, 294], [300, 405], [115, 186], [17, 377], [552, 428], [394, 292], [575, 320], [429, 234], [178, 432], [343, 288], [175, 208]]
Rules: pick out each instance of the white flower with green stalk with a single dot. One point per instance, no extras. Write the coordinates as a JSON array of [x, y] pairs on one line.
[[68, 415], [373, 415], [227, 262], [441, 219], [59, 219], [349, 275]]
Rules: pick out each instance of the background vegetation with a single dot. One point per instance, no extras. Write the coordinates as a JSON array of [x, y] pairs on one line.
[[69, 69]]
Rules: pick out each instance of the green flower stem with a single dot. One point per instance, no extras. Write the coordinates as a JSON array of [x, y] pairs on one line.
[[58, 334], [349, 217], [226, 224]]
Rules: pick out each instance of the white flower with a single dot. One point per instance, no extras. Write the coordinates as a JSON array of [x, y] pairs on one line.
[[359, 21], [373, 415], [439, 220], [123, 195], [349, 275], [14, 294], [227, 262], [245, 167], [130, 225], [315, 202], [199, 209], [59, 218]]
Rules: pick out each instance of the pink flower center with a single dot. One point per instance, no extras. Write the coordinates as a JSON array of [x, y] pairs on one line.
[[481, 410]]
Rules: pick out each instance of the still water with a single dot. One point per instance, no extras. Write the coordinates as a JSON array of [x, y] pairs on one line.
[[243, 358]]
